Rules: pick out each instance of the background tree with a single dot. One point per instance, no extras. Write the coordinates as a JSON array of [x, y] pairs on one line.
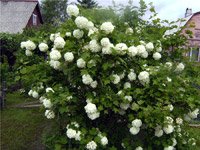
[[87, 3], [54, 11]]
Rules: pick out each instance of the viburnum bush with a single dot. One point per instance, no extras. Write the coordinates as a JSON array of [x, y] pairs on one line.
[[108, 87]]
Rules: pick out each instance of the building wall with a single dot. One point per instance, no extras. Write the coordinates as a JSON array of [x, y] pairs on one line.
[[39, 20], [195, 41]]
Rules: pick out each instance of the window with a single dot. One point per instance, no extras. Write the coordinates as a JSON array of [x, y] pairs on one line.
[[34, 19], [194, 54]]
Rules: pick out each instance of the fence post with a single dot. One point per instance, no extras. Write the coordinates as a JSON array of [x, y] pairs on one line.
[[3, 94]]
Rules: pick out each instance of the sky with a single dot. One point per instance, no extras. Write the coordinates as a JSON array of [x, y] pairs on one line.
[[166, 9]]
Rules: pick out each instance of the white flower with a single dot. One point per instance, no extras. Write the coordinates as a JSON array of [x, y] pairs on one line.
[[168, 65], [86, 78], [137, 123], [139, 148], [41, 99], [144, 77], [49, 90], [71, 133], [169, 120], [91, 145], [134, 130], [180, 67], [132, 76], [94, 84], [28, 53], [55, 55], [157, 56], [174, 142], [132, 51], [30, 92], [81, 63], [144, 55], [104, 141], [35, 94], [90, 108], [129, 98], [78, 136], [68, 34], [30, 45], [72, 10], [81, 22], [169, 79], [94, 115], [141, 51], [92, 62], [179, 121], [158, 131], [159, 49], [78, 33], [49, 114], [169, 148], [43, 47], [127, 85], [116, 79], [168, 129], [121, 48], [143, 43], [107, 27], [194, 114], [23, 45], [107, 49], [54, 36], [47, 103], [90, 25], [129, 31], [69, 56], [94, 46], [55, 64], [59, 42], [171, 107], [124, 106], [149, 46], [105, 42], [92, 31]]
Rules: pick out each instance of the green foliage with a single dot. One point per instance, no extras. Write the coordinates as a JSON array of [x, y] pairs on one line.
[[87, 3]]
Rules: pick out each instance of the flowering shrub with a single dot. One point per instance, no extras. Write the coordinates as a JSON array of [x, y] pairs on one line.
[[110, 90]]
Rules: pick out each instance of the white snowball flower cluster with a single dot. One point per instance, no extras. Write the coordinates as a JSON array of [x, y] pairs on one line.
[[91, 145], [169, 79], [144, 77], [169, 148], [49, 114], [54, 36], [81, 63], [55, 55], [69, 56], [149, 46], [171, 107], [129, 31], [87, 79], [34, 94], [92, 111], [73, 134], [47, 103], [59, 42], [43, 47], [105, 42], [104, 140], [179, 121], [159, 49], [136, 124], [92, 31], [168, 128], [94, 46], [78, 33], [121, 48], [68, 34], [29, 46], [48, 89], [81, 22], [72, 10], [116, 79], [139, 148], [168, 65], [132, 51], [55, 64], [141, 51], [132, 76], [158, 131], [107, 49], [157, 56], [127, 85], [180, 67], [107, 27]]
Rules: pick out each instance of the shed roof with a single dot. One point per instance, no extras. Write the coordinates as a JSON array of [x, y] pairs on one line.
[[15, 14]]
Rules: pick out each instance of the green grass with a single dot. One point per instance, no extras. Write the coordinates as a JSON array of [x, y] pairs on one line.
[[195, 132], [22, 129]]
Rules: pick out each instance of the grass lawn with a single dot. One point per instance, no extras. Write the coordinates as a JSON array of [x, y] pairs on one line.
[[23, 128]]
